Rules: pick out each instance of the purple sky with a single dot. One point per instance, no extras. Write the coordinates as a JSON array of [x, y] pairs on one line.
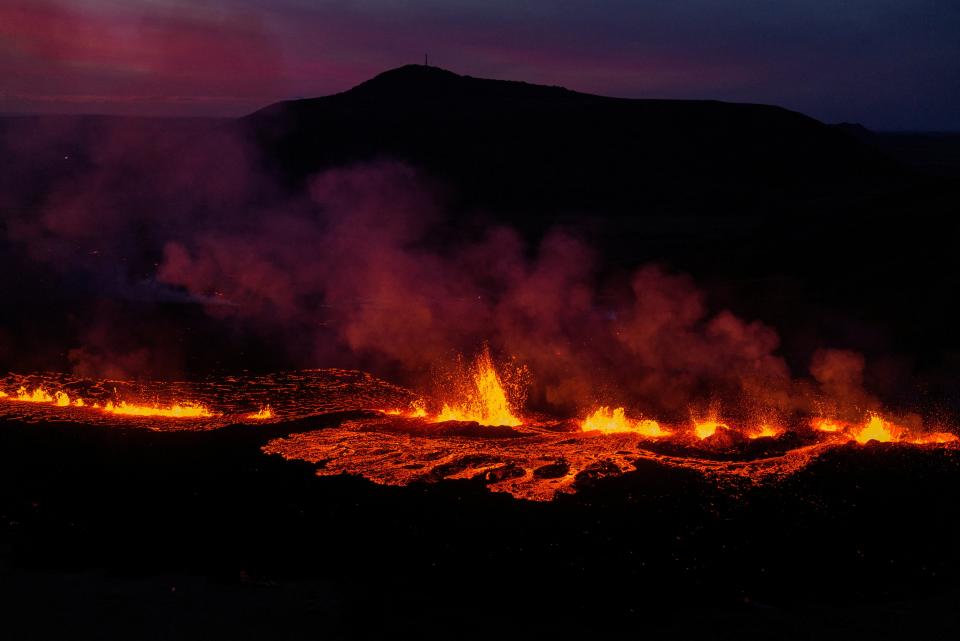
[[889, 64]]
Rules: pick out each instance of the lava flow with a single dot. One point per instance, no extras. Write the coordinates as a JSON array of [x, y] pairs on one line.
[[535, 458], [177, 410], [350, 422], [205, 404], [609, 421], [38, 395]]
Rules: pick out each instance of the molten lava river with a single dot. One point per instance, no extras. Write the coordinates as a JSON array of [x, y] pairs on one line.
[[349, 422]]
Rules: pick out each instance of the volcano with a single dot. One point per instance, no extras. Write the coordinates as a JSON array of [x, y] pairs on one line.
[[440, 349]]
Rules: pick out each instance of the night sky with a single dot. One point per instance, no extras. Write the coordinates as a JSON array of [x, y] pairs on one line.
[[888, 64]]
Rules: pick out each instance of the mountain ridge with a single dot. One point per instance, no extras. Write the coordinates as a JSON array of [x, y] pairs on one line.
[[515, 146]]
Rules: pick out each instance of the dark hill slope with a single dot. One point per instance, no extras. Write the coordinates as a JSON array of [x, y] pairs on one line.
[[515, 147]]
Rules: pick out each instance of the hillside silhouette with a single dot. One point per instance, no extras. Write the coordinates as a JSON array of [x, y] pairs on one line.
[[514, 147]]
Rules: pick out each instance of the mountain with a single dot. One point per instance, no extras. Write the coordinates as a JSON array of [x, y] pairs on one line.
[[513, 147]]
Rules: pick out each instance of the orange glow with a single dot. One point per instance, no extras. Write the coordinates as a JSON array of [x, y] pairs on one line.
[[41, 395], [765, 431], [610, 421], [826, 425], [264, 413], [705, 428], [418, 409], [38, 395], [541, 457], [177, 410], [877, 429], [935, 438], [486, 401]]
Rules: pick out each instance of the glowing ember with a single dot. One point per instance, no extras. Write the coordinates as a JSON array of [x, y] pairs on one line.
[[264, 413], [611, 421], [486, 401], [177, 410]]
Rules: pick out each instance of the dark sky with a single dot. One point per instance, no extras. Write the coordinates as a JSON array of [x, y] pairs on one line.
[[889, 64]]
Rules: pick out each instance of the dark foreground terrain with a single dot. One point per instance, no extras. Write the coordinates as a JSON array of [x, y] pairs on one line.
[[112, 533]]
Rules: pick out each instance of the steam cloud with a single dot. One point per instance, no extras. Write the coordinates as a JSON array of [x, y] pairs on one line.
[[364, 269]]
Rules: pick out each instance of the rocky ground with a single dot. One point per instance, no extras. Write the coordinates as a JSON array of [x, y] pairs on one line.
[[113, 533]]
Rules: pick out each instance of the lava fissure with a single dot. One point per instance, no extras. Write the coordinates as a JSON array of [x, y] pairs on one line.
[[477, 432]]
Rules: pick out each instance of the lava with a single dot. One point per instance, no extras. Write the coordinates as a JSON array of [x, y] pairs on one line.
[[611, 421], [540, 459], [177, 410], [935, 438], [417, 409], [826, 425], [481, 433], [177, 405], [38, 395], [881, 429], [532, 461], [877, 429], [765, 431], [705, 428], [484, 399], [60, 398], [263, 413]]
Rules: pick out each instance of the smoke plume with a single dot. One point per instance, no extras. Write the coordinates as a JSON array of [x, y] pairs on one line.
[[366, 267]]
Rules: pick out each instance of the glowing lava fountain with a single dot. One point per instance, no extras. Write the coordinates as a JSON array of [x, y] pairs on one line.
[[612, 421], [484, 398]]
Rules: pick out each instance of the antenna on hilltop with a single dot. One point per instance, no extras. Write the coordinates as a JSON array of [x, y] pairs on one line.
[[426, 60]]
